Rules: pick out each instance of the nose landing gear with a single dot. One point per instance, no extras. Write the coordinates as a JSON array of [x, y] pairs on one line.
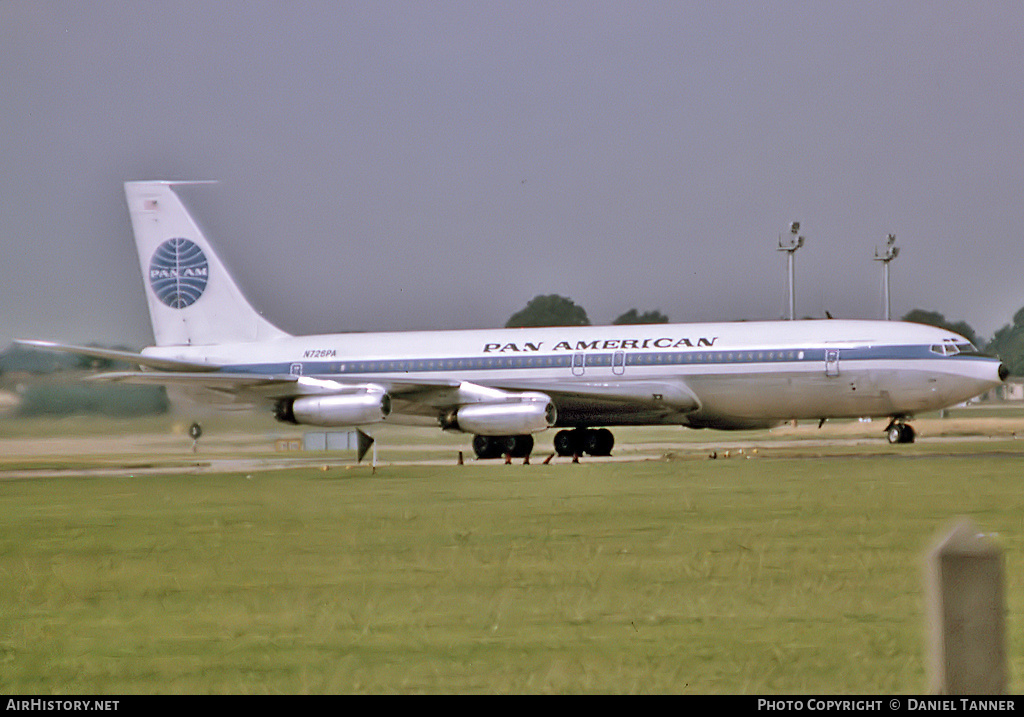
[[899, 432]]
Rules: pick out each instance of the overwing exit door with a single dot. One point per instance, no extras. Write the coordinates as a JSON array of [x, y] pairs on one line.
[[831, 362]]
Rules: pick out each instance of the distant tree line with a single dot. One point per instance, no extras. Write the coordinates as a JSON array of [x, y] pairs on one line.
[[63, 399], [555, 310], [49, 384], [1008, 344], [634, 317]]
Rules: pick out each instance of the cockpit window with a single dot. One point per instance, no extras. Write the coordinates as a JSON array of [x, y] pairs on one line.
[[950, 347]]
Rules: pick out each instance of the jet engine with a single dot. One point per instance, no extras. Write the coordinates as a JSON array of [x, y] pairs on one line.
[[525, 414], [335, 410]]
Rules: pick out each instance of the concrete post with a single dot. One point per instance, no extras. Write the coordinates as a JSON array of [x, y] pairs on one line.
[[966, 614]]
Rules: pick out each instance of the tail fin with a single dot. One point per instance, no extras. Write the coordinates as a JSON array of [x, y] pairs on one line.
[[192, 298]]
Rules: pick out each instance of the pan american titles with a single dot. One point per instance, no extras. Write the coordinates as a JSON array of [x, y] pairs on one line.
[[663, 342]]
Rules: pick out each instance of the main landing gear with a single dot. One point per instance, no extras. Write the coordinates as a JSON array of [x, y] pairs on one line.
[[575, 442], [899, 432], [594, 442], [498, 446]]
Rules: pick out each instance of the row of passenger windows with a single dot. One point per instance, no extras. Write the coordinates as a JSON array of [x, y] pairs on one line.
[[567, 360]]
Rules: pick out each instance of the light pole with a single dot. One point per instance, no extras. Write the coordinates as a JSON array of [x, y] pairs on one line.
[[790, 245], [891, 252]]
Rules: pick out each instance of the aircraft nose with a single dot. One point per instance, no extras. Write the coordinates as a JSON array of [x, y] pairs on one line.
[[1003, 372]]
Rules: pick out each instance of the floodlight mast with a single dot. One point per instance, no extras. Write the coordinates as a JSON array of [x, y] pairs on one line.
[[888, 254], [790, 245]]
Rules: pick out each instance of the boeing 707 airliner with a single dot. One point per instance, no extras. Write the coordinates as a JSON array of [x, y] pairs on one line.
[[503, 386]]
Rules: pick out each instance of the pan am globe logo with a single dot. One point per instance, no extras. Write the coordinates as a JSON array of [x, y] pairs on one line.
[[178, 272]]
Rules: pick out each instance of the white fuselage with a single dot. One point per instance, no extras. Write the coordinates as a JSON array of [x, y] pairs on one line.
[[722, 375]]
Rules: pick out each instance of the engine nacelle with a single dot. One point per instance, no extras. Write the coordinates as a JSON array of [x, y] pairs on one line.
[[335, 410], [511, 418]]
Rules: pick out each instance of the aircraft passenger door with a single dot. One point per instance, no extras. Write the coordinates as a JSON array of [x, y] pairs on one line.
[[619, 363], [577, 364], [831, 362]]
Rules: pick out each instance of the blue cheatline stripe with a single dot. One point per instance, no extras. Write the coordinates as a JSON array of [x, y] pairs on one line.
[[594, 360]]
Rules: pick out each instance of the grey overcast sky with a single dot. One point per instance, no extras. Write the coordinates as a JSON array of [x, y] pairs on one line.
[[428, 165]]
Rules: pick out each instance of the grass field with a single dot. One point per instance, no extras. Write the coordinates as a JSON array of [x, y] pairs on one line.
[[787, 570]]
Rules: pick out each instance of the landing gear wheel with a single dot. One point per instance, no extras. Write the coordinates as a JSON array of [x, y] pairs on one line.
[[522, 446], [598, 442], [487, 447], [506, 445], [900, 433], [894, 433], [593, 442], [566, 443]]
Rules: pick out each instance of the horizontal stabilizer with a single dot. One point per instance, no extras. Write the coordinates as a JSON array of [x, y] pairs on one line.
[[163, 364]]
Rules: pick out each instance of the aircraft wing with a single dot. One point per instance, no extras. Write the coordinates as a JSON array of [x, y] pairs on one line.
[[421, 396], [240, 389], [670, 395], [273, 385], [250, 388], [424, 397], [224, 382]]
